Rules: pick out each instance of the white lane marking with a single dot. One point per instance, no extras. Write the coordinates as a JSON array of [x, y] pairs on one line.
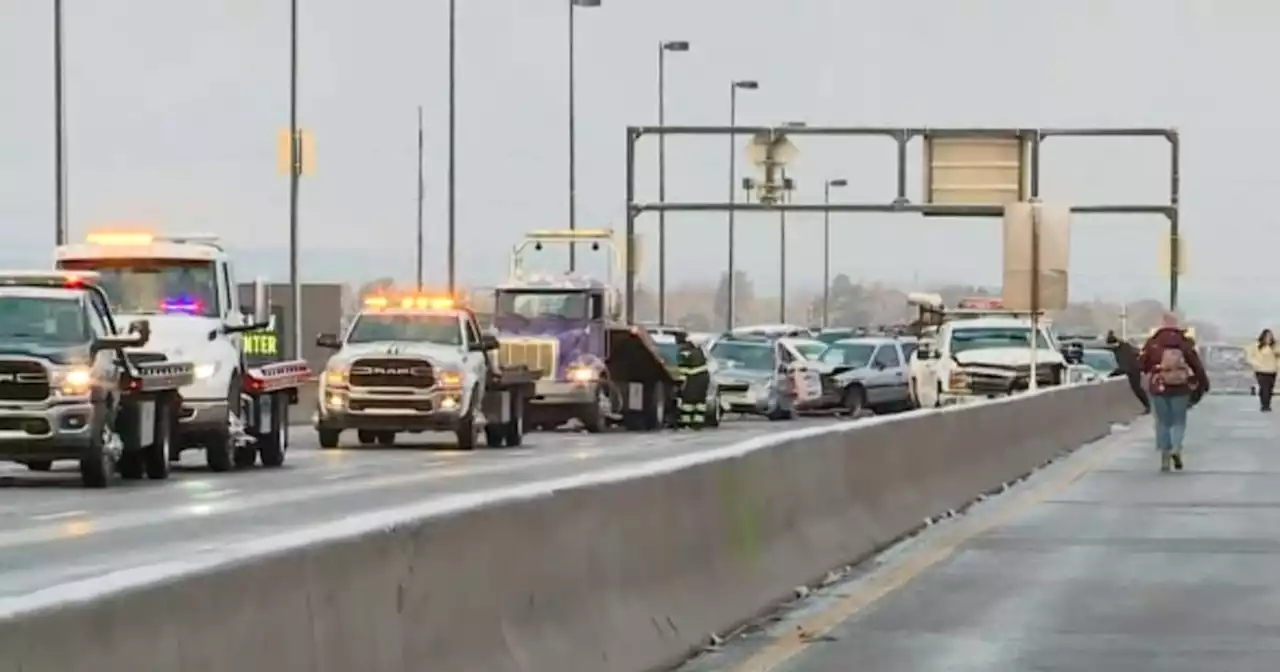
[[61, 515], [214, 494]]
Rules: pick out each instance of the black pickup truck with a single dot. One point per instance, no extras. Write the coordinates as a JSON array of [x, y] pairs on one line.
[[67, 389]]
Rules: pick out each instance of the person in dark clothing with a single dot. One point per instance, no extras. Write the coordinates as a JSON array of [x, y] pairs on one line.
[[1127, 360], [1176, 380], [692, 364]]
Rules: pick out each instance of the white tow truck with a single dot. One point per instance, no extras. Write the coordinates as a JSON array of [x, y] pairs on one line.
[[414, 363], [185, 288]]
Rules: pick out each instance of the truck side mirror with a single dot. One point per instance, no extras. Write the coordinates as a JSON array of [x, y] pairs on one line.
[[143, 330], [329, 342], [487, 343]]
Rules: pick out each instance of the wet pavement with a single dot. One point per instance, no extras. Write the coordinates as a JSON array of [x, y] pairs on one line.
[[1100, 564]]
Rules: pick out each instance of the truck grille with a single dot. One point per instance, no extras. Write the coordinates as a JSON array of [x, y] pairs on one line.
[[23, 380], [536, 354], [392, 372]]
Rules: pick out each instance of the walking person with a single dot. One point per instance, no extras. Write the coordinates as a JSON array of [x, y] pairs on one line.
[[1127, 360], [1264, 359], [1175, 380]]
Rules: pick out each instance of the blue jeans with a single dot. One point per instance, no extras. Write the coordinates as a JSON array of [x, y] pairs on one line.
[[1171, 420]]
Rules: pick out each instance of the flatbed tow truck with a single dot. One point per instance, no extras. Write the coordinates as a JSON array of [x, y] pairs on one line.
[[594, 368], [411, 363], [69, 391], [184, 288]]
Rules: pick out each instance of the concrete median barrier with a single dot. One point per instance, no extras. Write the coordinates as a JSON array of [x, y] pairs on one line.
[[613, 571]]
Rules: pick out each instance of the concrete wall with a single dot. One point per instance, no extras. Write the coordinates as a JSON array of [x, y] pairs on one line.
[[618, 576]]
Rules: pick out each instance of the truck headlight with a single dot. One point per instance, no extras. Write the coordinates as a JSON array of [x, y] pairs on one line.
[[205, 371], [335, 375], [75, 382], [583, 374], [957, 381], [449, 378]]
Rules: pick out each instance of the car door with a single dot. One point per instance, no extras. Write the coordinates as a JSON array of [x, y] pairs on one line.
[[878, 378], [898, 388], [105, 364]]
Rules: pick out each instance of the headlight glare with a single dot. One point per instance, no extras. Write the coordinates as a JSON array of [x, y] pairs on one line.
[[582, 374], [76, 381], [204, 371]]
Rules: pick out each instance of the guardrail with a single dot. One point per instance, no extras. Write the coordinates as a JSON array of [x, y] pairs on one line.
[[621, 570]]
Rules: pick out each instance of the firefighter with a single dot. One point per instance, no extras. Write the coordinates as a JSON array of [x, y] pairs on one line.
[[692, 365]]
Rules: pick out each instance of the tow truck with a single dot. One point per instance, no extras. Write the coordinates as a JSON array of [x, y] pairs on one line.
[[183, 286], [67, 389], [414, 363], [594, 368]]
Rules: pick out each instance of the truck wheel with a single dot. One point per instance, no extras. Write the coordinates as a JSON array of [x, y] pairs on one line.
[[493, 436], [328, 438], [386, 438], [96, 464], [514, 431], [367, 437], [273, 445], [40, 465], [593, 416], [855, 399], [465, 432], [156, 455], [220, 452]]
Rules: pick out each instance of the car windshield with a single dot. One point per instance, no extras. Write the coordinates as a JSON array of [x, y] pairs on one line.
[[749, 356], [572, 305], [1100, 359], [849, 354], [155, 286], [810, 349], [981, 338], [47, 321], [416, 327]]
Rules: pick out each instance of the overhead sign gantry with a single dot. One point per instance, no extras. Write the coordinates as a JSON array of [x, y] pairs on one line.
[[968, 172]]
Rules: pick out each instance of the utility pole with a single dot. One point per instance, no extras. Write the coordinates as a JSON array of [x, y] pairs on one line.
[[59, 132], [421, 198]]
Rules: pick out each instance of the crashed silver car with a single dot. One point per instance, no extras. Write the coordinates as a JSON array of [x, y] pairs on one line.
[[864, 373], [752, 376]]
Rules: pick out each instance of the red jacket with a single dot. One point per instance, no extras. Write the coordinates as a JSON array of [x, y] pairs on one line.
[[1172, 337]]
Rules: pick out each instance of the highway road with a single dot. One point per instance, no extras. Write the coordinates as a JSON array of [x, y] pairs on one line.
[[52, 531], [1099, 562]]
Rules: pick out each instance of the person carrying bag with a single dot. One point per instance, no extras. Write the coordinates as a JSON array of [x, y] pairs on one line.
[[1176, 381]]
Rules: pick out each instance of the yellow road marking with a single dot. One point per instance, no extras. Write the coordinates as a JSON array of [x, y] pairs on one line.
[[884, 581]]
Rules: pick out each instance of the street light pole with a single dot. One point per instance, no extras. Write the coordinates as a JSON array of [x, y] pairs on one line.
[[663, 48], [59, 133], [421, 198], [826, 248], [453, 147], [573, 149], [749, 85], [295, 162]]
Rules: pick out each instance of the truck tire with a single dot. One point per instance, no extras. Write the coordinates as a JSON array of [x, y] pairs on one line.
[[494, 436], [96, 464], [40, 465], [386, 438], [220, 452], [328, 438], [274, 443], [593, 417], [132, 462], [156, 456], [514, 431], [367, 437], [466, 431]]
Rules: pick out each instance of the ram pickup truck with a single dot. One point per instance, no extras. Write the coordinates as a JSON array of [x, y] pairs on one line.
[[412, 364], [68, 389]]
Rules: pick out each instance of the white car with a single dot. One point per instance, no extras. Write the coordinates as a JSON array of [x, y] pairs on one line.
[[983, 358]]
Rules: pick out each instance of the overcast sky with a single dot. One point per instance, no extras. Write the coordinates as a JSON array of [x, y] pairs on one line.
[[174, 107]]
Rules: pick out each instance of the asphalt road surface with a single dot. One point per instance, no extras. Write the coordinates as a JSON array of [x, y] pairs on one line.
[[53, 531], [1098, 563]]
